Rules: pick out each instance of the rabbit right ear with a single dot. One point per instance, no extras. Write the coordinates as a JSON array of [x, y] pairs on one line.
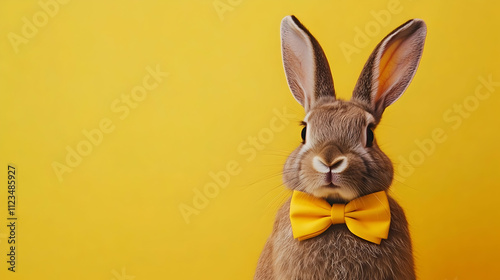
[[391, 67], [306, 67]]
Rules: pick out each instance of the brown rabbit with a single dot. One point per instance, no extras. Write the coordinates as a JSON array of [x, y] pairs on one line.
[[339, 159]]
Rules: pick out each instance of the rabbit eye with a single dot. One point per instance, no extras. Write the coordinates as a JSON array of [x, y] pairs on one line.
[[303, 134], [369, 136]]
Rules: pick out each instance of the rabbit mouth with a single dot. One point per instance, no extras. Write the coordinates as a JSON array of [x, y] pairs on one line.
[[334, 193], [332, 186]]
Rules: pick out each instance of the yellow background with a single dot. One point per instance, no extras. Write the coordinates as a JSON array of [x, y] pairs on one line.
[[116, 214]]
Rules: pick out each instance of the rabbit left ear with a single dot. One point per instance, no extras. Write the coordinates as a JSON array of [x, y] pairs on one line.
[[306, 67], [391, 67]]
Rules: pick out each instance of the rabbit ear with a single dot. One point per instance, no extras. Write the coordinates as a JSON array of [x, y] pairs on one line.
[[391, 67], [306, 67]]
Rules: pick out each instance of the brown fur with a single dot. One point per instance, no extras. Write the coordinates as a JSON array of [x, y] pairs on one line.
[[337, 254], [338, 129]]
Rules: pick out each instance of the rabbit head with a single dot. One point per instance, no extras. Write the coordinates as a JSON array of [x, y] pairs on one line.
[[339, 158]]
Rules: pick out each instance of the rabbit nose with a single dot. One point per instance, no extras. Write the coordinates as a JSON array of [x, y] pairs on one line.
[[338, 165]]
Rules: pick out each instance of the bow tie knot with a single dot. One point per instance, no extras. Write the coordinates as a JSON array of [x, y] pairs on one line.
[[338, 216], [367, 217]]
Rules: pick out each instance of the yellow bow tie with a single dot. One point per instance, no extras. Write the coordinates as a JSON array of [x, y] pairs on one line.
[[367, 217]]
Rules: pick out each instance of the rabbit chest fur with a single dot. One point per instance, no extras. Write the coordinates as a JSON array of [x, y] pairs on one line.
[[337, 254], [339, 159]]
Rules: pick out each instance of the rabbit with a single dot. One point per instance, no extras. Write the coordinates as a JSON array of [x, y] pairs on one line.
[[339, 159]]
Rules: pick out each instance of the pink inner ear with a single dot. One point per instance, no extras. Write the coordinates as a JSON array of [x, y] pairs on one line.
[[393, 65], [298, 57]]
